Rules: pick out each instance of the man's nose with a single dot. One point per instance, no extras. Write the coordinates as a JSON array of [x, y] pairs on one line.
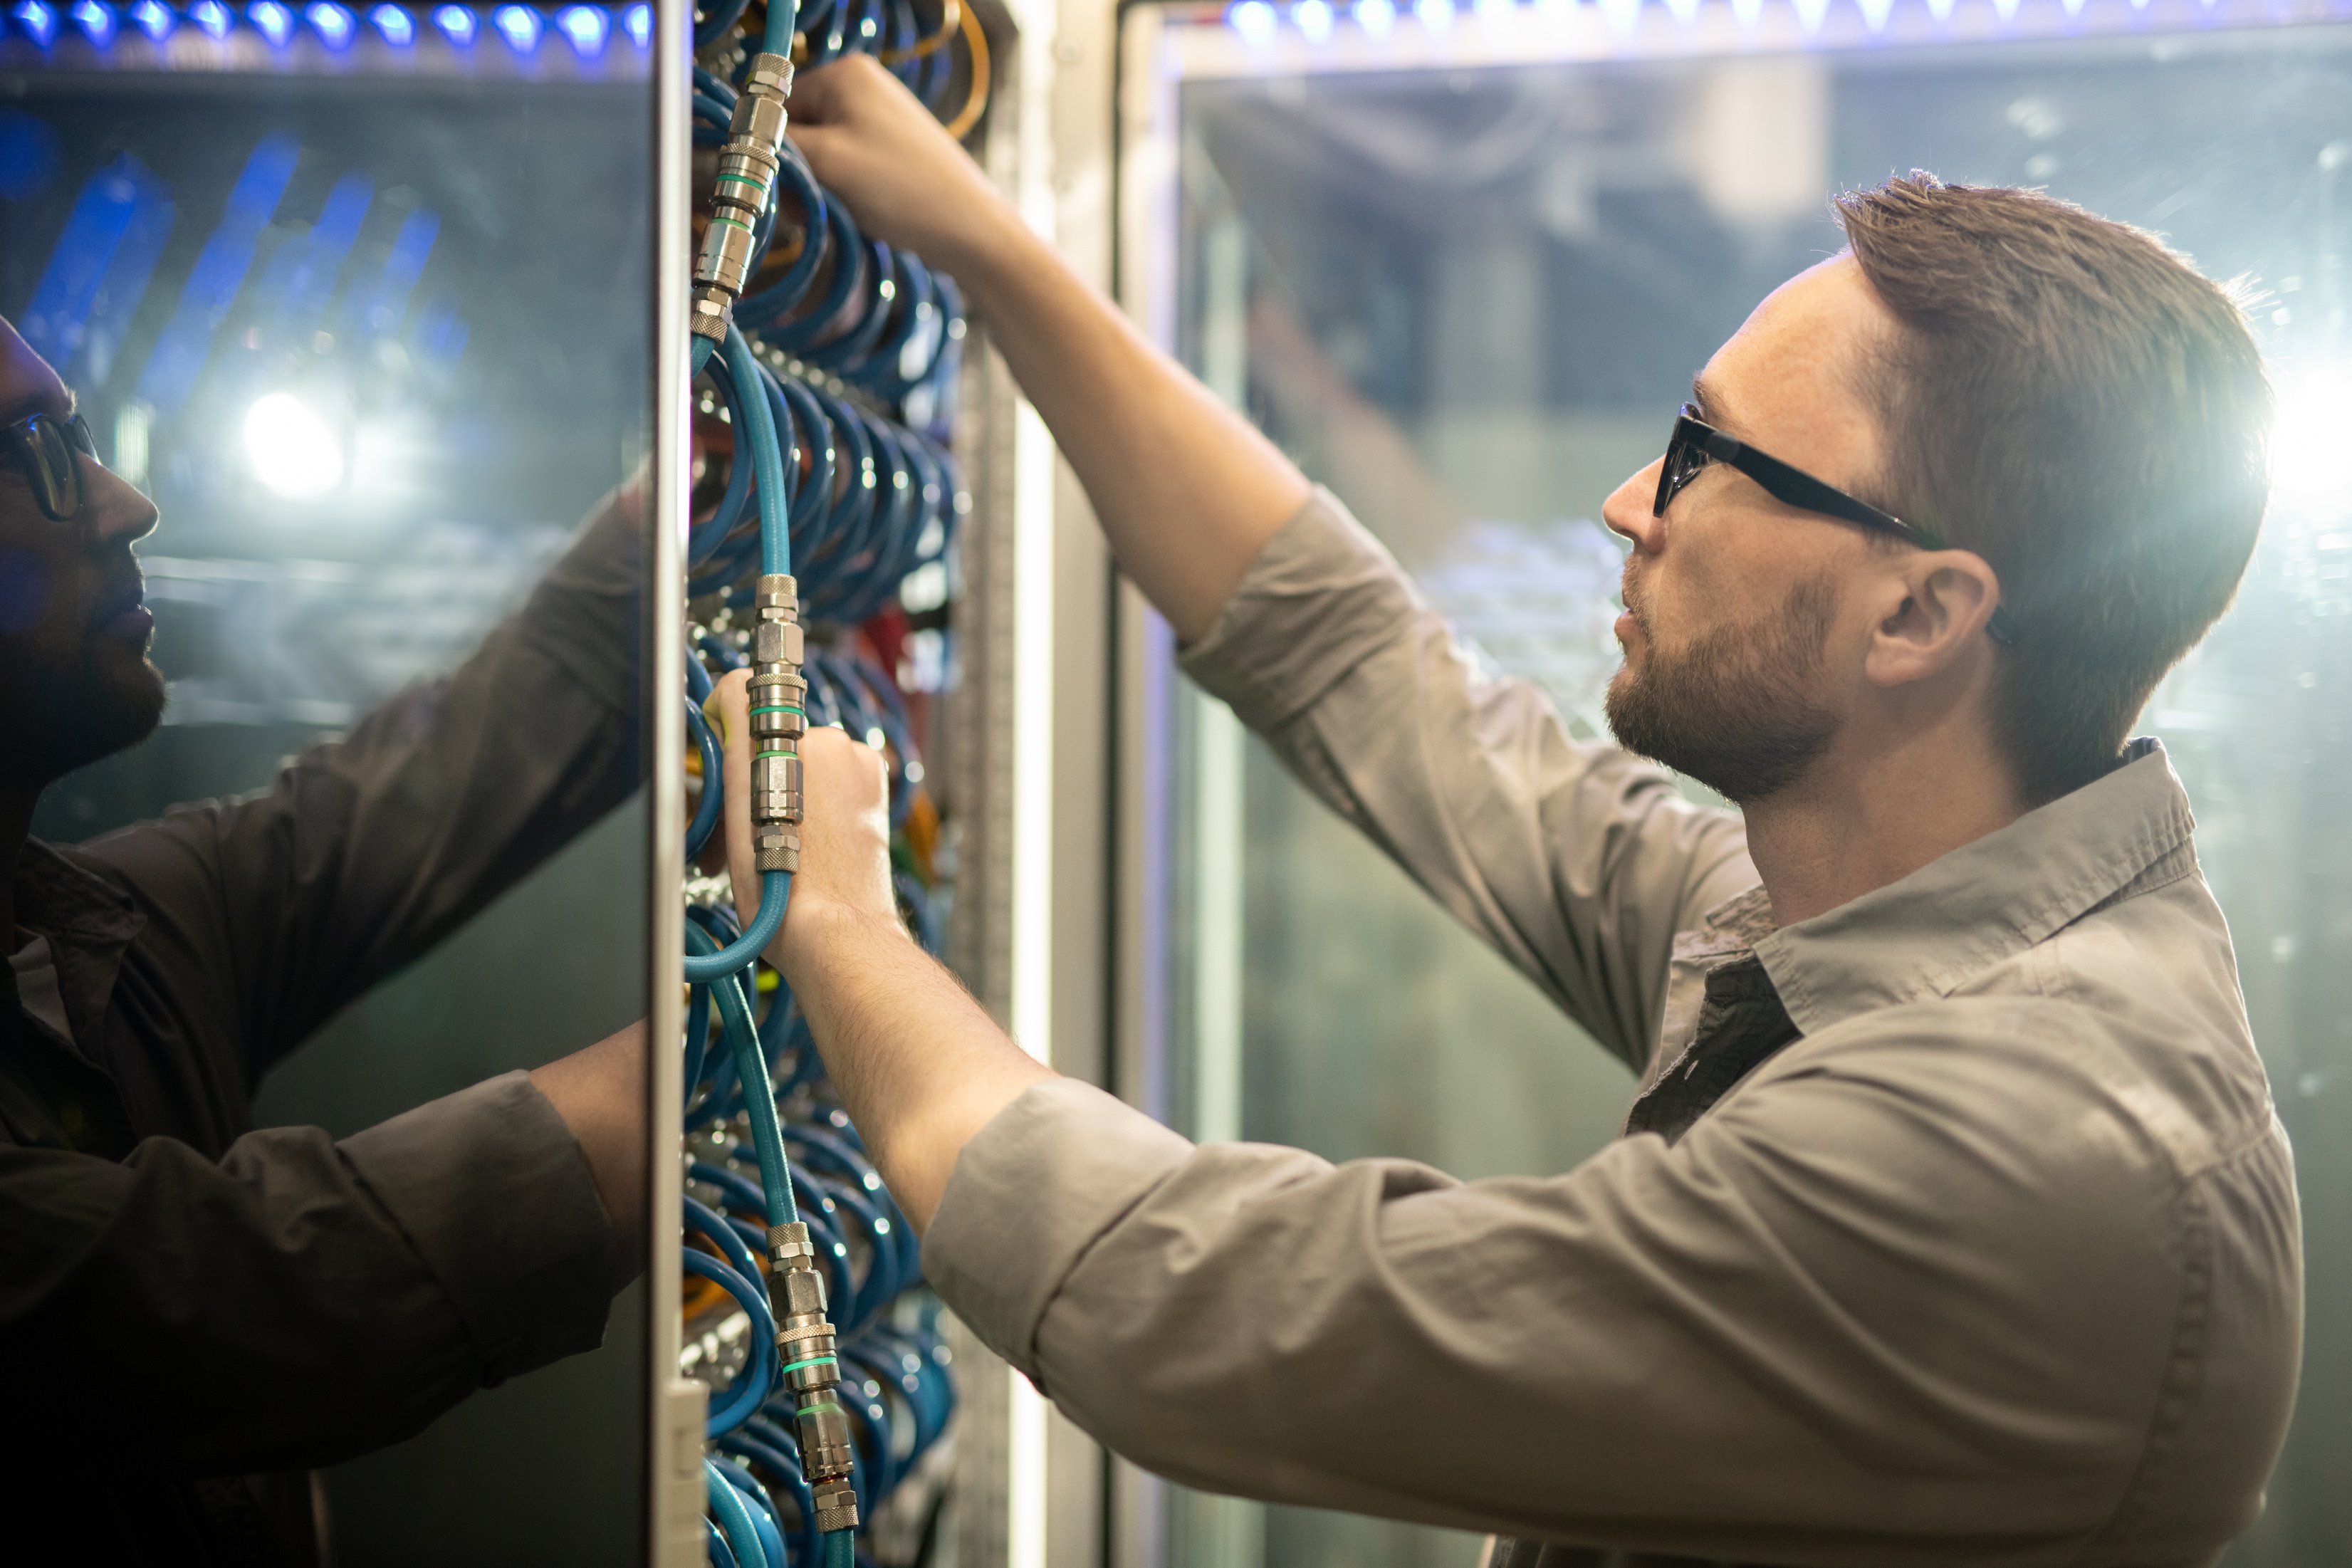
[[1627, 511], [113, 509]]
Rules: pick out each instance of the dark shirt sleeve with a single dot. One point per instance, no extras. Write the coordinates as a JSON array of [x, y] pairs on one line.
[[299, 1301], [365, 851]]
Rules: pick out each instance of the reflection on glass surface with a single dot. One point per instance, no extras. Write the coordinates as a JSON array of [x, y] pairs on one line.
[[377, 348], [1469, 301]]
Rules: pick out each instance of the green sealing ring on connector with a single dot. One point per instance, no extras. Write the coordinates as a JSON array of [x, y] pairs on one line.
[[816, 1409], [777, 708], [812, 1361], [730, 223], [757, 755]]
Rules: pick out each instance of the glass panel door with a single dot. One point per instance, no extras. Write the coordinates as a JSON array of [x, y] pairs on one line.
[[364, 298]]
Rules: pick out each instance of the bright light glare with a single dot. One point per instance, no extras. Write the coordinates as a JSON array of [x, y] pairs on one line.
[[2306, 442], [1252, 20], [332, 21], [1376, 17], [586, 26], [1436, 15], [154, 18], [291, 447], [39, 22], [213, 18], [96, 21], [394, 24], [1314, 18], [639, 21], [1875, 14], [275, 21], [1812, 14], [520, 25], [457, 23]]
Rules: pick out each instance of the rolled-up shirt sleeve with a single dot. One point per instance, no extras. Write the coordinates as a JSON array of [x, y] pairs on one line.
[[1763, 1341], [1579, 862], [299, 1301]]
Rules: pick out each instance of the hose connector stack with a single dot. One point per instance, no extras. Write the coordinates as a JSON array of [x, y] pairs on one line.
[[779, 718], [746, 183], [807, 1349]]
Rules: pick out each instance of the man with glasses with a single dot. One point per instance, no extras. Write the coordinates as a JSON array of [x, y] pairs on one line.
[[1951, 1223], [194, 1313]]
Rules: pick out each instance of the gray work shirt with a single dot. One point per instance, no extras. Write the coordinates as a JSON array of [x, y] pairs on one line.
[[1952, 1226]]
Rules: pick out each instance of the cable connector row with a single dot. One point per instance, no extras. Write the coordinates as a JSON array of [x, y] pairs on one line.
[[740, 198], [808, 1352], [779, 719]]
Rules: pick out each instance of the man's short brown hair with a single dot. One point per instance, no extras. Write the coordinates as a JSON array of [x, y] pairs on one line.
[[2076, 403]]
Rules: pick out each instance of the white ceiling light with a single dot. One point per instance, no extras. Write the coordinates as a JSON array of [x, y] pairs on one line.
[[292, 448]]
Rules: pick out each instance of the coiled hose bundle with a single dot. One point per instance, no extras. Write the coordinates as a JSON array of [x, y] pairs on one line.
[[826, 363]]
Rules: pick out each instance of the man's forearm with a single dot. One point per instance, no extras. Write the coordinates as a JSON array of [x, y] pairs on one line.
[[1187, 490], [920, 1067]]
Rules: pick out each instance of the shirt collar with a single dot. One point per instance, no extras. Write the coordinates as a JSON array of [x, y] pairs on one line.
[[1986, 901]]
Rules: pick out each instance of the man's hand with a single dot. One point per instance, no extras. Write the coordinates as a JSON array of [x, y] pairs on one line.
[[920, 1067], [844, 834], [871, 143]]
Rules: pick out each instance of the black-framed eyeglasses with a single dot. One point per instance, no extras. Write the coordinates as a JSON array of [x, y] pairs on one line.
[[43, 447], [1695, 443]]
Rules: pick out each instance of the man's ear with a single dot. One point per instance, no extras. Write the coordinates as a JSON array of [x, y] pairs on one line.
[[1945, 598]]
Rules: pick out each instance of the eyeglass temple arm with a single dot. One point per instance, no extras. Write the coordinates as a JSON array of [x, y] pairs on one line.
[[1799, 488]]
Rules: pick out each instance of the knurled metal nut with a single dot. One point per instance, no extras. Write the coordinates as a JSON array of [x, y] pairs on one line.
[[829, 1519], [805, 1331]]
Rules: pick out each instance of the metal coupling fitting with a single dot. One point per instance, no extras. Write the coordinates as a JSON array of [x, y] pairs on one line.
[[779, 718], [777, 595], [827, 1453], [770, 75], [725, 260], [836, 1506], [778, 642], [758, 125], [775, 846], [776, 787], [788, 1245], [714, 309], [746, 183]]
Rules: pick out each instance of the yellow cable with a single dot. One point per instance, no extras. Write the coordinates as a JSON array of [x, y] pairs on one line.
[[975, 101], [950, 14]]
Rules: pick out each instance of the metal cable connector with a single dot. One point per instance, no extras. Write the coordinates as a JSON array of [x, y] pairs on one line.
[[779, 718], [740, 198], [807, 1351]]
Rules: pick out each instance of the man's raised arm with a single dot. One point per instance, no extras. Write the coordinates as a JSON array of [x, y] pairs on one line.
[[1187, 489]]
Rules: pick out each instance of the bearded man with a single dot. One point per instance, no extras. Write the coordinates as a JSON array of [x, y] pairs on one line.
[[192, 1313], [1951, 1223]]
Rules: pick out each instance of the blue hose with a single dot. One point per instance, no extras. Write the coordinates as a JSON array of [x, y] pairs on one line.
[[735, 1520], [763, 1516]]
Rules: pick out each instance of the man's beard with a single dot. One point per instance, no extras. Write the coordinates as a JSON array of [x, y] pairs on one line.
[[1736, 711], [55, 718]]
